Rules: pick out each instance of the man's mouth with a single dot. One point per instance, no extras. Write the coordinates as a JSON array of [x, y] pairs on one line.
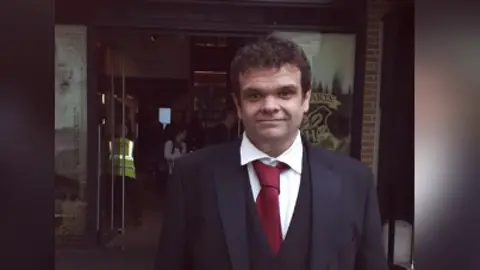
[[270, 120]]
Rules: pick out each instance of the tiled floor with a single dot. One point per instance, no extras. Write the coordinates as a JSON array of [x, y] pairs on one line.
[[105, 259], [138, 253]]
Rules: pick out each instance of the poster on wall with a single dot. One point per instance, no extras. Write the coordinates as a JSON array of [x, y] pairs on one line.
[[70, 128], [332, 59]]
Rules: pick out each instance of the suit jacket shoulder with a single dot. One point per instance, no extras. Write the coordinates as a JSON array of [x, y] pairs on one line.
[[195, 169], [209, 155], [354, 173]]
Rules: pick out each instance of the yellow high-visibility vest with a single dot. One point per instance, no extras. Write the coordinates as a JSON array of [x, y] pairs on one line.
[[122, 158]]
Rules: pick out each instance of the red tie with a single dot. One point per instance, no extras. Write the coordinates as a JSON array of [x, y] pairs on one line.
[[267, 201]]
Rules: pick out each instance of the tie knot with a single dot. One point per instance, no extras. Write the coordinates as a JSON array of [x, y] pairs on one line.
[[269, 176]]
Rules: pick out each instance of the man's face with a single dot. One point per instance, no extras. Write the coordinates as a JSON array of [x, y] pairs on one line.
[[271, 104]]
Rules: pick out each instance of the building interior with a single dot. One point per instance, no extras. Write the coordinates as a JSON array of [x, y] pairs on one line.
[[141, 71]]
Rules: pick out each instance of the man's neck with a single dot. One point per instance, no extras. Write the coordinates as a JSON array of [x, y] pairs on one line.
[[274, 148]]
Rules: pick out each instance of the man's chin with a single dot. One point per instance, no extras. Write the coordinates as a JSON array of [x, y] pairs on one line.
[[272, 134]]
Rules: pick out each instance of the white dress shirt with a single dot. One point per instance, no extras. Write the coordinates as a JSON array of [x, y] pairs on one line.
[[289, 179]]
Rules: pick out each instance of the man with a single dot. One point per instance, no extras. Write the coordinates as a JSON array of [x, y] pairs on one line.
[[227, 209], [122, 152], [223, 132], [195, 134]]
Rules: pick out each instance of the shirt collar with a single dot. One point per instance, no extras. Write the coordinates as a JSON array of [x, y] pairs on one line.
[[293, 156]]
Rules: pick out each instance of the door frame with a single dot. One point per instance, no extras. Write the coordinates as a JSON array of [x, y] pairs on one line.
[[356, 26]]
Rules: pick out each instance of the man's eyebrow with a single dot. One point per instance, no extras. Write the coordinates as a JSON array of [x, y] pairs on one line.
[[251, 90], [289, 87]]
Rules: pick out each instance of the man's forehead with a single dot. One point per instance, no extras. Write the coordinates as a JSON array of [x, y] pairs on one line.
[[286, 75]]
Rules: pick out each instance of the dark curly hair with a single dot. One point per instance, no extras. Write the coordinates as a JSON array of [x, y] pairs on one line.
[[270, 52]]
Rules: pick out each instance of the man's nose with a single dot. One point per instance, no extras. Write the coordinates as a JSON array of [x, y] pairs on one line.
[[270, 105]]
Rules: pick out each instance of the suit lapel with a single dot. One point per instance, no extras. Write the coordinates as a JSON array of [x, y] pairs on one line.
[[230, 179], [325, 201]]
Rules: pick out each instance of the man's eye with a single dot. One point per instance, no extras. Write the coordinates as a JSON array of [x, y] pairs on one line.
[[284, 94], [253, 96]]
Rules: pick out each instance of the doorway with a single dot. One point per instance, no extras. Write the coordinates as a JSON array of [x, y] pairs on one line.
[[140, 74]]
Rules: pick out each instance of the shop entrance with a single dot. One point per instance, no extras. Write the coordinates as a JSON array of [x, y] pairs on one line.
[[153, 86], [129, 89]]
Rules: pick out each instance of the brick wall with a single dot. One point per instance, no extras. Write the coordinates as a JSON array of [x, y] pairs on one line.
[[375, 11]]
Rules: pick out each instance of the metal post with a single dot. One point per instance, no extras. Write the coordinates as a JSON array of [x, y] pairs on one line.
[[391, 225], [124, 147], [112, 140], [99, 174], [412, 265]]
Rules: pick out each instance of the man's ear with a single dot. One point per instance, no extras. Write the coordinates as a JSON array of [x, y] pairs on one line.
[[306, 100]]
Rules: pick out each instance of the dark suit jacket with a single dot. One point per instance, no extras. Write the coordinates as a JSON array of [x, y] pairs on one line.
[[219, 134], [204, 224]]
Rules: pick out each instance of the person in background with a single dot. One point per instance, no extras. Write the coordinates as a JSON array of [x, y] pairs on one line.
[[225, 131], [123, 158], [195, 134], [175, 146]]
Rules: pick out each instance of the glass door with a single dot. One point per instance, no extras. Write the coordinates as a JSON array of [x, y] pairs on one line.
[[332, 60], [115, 154]]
